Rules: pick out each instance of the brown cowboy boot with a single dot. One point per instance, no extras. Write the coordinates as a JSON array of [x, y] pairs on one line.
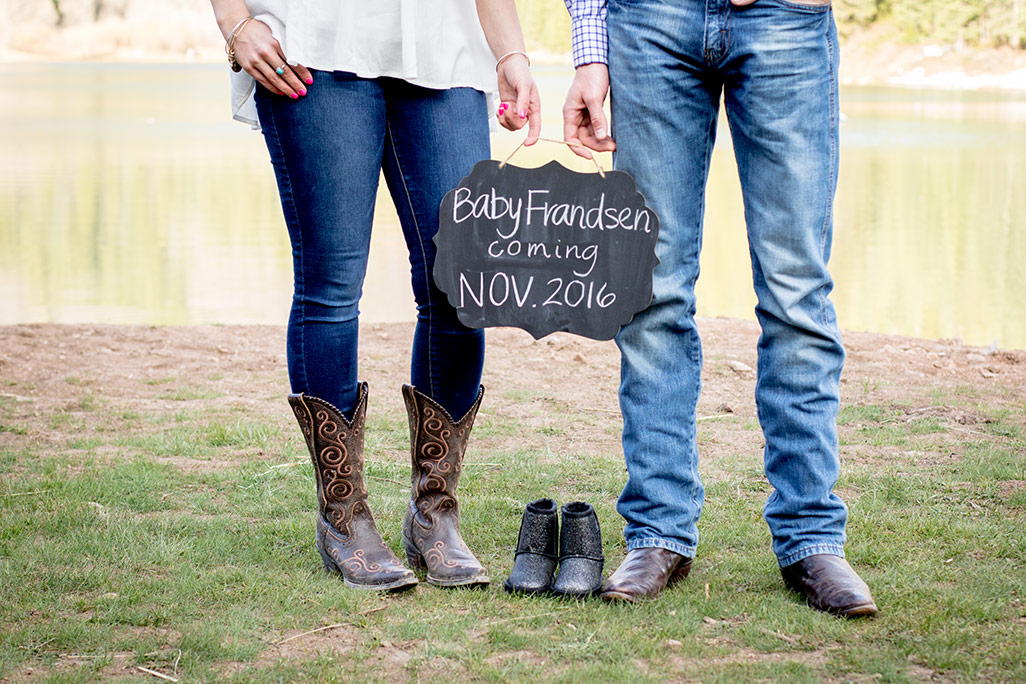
[[829, 584], [644, 573], [347, 538], [431, 529]]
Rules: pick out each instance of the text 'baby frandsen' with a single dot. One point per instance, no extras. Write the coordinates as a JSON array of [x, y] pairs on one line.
[[538, 208]]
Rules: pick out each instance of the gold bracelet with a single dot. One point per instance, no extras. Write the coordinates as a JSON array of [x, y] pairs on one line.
[[510, 54], [229, 45]]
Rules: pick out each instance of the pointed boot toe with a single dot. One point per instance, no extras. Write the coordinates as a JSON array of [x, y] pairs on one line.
[[644, 573], [431, 527], [829, 584], [374, 568], [537, 544], [580, 552], [347, 538]]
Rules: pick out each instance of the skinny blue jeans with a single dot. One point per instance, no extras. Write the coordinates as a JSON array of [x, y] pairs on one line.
[[328, 150], [775, 65]]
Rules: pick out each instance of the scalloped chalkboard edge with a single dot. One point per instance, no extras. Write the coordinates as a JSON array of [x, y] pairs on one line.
[[603, 336], [600, 334]]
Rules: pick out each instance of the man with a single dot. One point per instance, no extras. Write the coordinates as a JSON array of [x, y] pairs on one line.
[[775, 64]]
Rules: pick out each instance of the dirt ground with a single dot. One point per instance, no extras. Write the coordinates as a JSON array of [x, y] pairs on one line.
[[61, 385], [47, 369]]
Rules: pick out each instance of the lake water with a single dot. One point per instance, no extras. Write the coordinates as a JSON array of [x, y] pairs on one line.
[[127, 195]]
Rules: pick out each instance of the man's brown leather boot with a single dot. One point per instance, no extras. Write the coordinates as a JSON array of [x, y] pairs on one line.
[[829, 584], [347, 538], [644, 573], [431, 528]]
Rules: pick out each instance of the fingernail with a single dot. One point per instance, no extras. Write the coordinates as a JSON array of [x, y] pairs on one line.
[[503, 107], [302, 92], [600, 133], [294, 96], [523, 113], [309, 81]]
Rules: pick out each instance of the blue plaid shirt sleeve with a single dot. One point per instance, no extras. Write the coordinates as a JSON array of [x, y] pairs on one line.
[[588, 31]]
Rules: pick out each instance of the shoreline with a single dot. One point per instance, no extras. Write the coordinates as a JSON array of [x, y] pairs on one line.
[[863, 63]]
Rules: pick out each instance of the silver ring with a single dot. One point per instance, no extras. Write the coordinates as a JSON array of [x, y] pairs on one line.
[[281, 70]]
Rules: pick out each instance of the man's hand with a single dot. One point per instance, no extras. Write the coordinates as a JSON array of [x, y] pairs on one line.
[[584, 122]]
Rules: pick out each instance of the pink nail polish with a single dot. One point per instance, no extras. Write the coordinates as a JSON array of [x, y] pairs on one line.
[[294, 96], [302, 92], [309, 81], [523, 113]]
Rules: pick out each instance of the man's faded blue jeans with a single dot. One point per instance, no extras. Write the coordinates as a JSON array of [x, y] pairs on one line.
[[775, 65]]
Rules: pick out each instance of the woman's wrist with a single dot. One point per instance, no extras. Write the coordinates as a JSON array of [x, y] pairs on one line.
[[229, 18], [237, 29], [512, 54]]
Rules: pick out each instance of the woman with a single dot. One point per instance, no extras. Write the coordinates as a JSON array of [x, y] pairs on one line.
[[345, 90]]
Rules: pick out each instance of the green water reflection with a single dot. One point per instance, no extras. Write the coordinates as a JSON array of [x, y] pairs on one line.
[[128, 196]]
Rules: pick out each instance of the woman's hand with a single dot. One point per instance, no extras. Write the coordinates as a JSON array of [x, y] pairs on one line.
[[519, 99], [261, 56]]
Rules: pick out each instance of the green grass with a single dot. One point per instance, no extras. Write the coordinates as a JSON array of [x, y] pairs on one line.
[[190, 394], [113, 555]]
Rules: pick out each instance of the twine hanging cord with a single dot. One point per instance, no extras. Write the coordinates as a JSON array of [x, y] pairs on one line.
[[558, 142]]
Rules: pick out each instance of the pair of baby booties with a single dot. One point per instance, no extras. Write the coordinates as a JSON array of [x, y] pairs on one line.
[[542, 545]]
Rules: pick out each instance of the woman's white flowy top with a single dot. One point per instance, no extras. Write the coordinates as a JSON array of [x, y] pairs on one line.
[[431, 43]]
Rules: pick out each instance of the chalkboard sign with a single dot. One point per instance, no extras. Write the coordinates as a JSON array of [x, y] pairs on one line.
[[546, 249]]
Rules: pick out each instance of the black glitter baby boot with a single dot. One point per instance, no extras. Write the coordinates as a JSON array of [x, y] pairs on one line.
[[536, 549], [580, 552]]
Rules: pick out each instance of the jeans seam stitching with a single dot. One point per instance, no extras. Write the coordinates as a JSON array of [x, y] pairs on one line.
[[299, 286], [808, 9], [423, 254], [705, 34], [833, 163], [696, 339], [697, 251], [725, 38]]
